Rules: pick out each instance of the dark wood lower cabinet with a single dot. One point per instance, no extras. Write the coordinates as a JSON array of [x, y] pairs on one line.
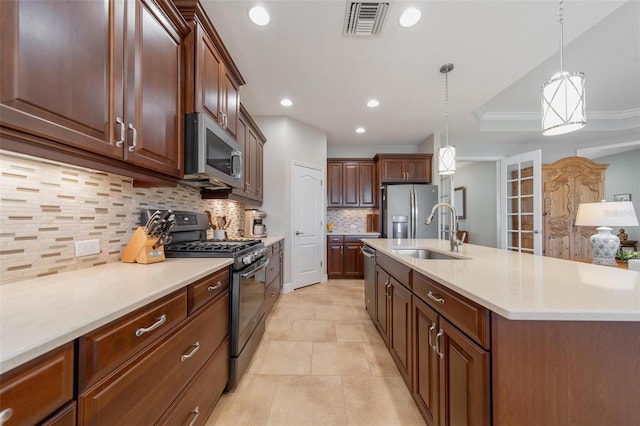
[[140, 390], [344, 258], [425, 361], [451, 376], [400, 340], [383, 281]]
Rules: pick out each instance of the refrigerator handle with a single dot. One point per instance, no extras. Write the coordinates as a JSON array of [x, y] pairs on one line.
[[412, 217]]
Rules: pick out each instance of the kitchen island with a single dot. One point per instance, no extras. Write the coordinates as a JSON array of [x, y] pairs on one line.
[[521, 339]]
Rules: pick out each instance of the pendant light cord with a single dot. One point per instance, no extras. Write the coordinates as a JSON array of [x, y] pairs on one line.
[[446, 106], [561, 20]]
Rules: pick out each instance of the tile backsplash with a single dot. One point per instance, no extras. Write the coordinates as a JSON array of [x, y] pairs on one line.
[[348, 220], [45, 208]]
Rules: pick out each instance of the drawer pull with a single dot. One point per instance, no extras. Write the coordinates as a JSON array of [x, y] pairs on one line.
[[158, 323], [433, 327], [5, 415], [196, 411], [435, 298], [195, 349], [438, 336], [215, 287]]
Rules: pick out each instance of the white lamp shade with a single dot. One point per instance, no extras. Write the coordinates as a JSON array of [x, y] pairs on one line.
[[447, 160], [606, 214], [563, 106]]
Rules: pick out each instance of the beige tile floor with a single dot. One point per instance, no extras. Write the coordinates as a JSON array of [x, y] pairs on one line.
[[320, 362]]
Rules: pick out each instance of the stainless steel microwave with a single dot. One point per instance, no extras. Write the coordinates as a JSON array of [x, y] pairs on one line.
[[211, 157]]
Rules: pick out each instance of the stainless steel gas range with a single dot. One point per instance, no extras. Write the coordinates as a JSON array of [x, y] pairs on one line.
[[246, 311]]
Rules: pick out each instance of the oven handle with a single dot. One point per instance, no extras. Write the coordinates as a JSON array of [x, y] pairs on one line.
[[256, 270]]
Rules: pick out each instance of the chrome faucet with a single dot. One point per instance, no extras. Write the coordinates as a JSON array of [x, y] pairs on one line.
[[454, 241]]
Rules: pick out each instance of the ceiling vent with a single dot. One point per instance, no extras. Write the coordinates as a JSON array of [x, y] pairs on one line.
[[365, 18]]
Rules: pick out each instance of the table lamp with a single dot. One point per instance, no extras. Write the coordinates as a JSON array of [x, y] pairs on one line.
[[604, 244]]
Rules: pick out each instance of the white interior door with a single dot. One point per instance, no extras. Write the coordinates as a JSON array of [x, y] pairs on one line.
[[521, 203], [308, 230]]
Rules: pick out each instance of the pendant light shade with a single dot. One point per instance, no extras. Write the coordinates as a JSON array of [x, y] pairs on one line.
[[447, 153], [447, 160], [563, 106], [563, 109]]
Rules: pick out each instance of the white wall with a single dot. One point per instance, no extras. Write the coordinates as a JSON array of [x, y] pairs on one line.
[[623, 177], [288, 140], [368, 151], [479, 179]]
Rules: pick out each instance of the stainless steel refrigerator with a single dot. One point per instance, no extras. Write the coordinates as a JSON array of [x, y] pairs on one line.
[[405, 208]]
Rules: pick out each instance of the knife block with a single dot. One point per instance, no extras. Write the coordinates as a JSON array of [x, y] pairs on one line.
[[140, 249]]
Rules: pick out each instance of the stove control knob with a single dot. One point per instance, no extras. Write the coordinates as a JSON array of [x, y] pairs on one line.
[[247, 260]]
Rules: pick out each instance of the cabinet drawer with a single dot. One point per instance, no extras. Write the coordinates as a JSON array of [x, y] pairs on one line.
[[207, 289], [196, 403], [273, 269], [465, 314], [271, 294], [141, 390], [352, 239], [395, 268], [104, 349], [334, 238], [40, 387]]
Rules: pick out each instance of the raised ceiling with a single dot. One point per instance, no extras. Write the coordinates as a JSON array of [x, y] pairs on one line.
[[503, 52]]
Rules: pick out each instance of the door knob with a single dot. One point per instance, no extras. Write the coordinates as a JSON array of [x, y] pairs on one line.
[[299, 233]]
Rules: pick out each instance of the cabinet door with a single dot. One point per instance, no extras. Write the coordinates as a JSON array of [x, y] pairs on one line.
[[368, 192], [56, 67], [392, 170], [242, 143], [350, 184], [259, 170], [353, 261], [335, 263], [425, 365], [400, 336], [418, 170], [383, 281], [334, 184], [231, 103], [464, 379], [153, 90], [588, 187], [207, 76], [251, 169]]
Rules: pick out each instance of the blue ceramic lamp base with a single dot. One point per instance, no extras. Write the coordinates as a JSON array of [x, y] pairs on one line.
[[604, 246]]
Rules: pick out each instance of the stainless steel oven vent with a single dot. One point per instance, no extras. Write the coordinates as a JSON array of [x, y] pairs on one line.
[[365, 18]]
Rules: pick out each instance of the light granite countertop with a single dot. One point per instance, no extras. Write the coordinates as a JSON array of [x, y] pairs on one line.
[[41, 314], [269, 241], [527, 287]]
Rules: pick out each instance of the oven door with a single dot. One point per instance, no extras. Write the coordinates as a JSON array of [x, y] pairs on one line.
[[247, 303]]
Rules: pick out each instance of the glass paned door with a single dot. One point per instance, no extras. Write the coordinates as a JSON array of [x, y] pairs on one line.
[[521, 203]]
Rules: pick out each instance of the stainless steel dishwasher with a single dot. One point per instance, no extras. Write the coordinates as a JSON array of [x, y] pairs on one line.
[[369, 280]]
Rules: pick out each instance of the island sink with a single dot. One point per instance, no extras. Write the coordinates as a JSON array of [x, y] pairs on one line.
[[423, 254]]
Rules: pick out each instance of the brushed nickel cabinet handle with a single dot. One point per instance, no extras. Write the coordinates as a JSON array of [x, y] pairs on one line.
[[196, 411], [5, 415], [214, 287], [438, 336], [435, 298], [433, 327], [134, 135], [196, 348], [122, 132], [158, 323]]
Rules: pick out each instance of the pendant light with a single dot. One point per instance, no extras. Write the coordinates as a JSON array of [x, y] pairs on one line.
[[563, 108], [447, 153]]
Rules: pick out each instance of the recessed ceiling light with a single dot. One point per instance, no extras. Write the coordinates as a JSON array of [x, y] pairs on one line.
[[259, 15], [360, 130], [410, 17], [286, 102], [373, 103]]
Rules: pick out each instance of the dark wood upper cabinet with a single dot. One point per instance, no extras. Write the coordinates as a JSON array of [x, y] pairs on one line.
[[405, 168], [98, 77], [213, 79], [351, 183]]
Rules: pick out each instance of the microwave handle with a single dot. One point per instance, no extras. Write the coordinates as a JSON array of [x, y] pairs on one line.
[[238, 174]]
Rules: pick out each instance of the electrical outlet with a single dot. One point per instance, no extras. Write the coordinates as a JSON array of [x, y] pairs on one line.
[[87, 247]]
